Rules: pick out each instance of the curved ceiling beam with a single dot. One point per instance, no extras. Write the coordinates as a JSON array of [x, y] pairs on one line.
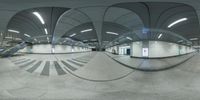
[[60, 30], [96, 14]]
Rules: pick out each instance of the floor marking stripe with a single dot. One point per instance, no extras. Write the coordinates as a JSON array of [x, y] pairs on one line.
[[32, 69], [45, 70], [22, 61], [59, 70], [18, 60], [68, 66], [78, 64], [80, 61], [27, 64]]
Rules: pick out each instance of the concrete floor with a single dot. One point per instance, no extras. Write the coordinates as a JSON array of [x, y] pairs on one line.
[[93, 76], [155, 64]]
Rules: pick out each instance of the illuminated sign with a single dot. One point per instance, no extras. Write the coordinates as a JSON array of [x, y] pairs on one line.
[[145, 52]]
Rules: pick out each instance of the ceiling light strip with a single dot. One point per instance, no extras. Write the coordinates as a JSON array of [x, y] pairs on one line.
[[160, 35], [39, 17], [46, 30], [176, 22], [87, 30], [27, 35], [192, 39], [113, 33], [14, 31], [72, 35], [129, 38]]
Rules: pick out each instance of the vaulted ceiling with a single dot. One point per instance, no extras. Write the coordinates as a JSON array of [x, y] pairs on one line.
[[111, 21]]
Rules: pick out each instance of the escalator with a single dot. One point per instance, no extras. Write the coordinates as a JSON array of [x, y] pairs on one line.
[[7, 52]]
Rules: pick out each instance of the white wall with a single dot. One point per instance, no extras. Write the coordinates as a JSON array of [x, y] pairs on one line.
[[41, 48], [182, 49], [163, 49], [136, 49], [62, 49], [123, 50], [116, 48], [47, 48], [157, 49]]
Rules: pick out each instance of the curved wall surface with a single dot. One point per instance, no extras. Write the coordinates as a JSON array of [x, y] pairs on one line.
[[156, 49]]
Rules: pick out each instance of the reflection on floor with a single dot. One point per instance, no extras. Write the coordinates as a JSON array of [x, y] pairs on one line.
[[43, 67], [150, 64], [98, 77]]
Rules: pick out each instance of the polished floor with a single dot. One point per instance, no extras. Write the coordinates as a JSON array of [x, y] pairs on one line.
[[94, 76]]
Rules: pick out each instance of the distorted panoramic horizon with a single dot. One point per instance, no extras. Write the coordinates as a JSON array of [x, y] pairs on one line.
[[99, 50]]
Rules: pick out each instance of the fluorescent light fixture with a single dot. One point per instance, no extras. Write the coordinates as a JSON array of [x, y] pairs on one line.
[[116, 42], [27, 35], [192, 39], [18, 39], [113, 33], [46, 30], [93, 39], [129, 38], [87, 30], [8, 37], [176, 22], [72, 35], [39, 17], [14, 31], [48, 39], [180, 41], [159, 36], [85, 40]]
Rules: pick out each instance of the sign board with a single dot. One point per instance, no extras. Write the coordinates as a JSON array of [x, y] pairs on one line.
[[145, 52]]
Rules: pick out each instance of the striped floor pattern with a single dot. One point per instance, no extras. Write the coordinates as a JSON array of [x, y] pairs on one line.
[[46, 68]]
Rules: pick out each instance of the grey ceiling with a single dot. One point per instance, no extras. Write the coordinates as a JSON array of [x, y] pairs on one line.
[[128, 18]]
